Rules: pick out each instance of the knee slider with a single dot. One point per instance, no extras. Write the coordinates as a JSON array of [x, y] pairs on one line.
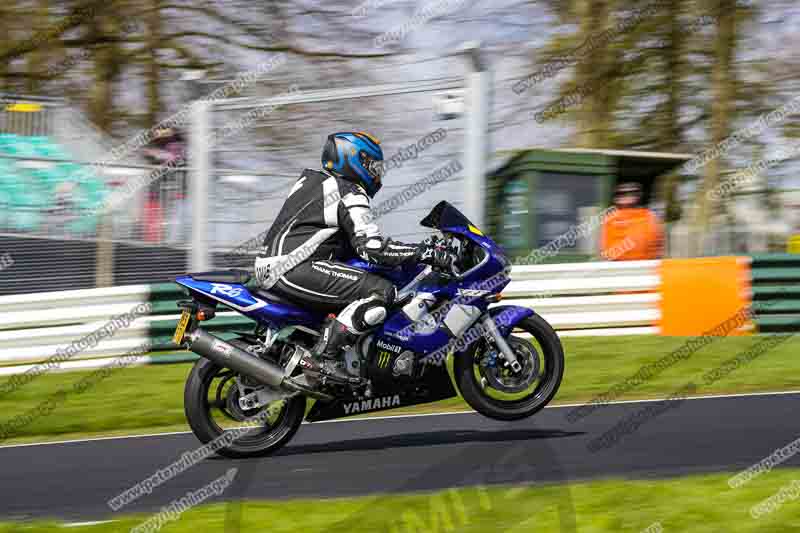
[[370, 313], [375, 316], [376, 308], [365, 314]]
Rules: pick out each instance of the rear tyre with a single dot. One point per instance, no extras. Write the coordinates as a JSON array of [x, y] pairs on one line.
[[471, 373], [263, 439]]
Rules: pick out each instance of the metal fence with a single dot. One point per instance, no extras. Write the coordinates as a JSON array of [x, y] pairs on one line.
[[29, 115], [51, 181], [56, 227], [74, 216], [243, 204], [238, 186]]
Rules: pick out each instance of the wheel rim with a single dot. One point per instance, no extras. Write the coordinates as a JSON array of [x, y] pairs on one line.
[[535, 382], [501, 378], [219, 395]]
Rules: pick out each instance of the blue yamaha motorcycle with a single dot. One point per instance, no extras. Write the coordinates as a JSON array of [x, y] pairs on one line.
[[443, 335]]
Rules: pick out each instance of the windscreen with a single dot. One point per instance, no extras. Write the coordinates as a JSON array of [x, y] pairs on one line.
[[444, 215]]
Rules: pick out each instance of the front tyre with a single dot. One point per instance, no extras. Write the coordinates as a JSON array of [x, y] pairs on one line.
[[494, 391], [210, 407]]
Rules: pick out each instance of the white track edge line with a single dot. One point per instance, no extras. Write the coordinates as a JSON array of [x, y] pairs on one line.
[[89, 523]]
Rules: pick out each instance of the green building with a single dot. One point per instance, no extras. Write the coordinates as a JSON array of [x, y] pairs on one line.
[[539, 194]]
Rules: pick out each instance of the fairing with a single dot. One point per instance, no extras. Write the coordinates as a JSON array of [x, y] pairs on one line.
[[239, 298], [488, 277]]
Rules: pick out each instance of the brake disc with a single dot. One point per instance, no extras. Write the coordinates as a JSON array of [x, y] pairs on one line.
[[500, 376]]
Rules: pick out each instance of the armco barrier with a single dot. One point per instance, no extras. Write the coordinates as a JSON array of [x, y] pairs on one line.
[[578, 299], [604, 298], [776, 292], [34, 327]]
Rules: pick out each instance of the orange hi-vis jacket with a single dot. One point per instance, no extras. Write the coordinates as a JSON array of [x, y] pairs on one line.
[[630, 234]]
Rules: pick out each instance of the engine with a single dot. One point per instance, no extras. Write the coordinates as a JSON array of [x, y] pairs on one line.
[[389, 364]]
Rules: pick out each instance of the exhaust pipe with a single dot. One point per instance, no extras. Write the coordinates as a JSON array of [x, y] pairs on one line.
[[229, 356]]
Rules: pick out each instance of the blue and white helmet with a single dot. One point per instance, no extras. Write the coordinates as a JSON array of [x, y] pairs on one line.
[[356, 156]]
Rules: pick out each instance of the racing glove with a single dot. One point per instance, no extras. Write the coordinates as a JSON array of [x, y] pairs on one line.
[[434, 252]]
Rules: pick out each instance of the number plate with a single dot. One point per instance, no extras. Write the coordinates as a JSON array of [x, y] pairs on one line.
[[183, 323]]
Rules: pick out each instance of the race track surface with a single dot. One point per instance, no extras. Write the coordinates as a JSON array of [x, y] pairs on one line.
[[73, 481]]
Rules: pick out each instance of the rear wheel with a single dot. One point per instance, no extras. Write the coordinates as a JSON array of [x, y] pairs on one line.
[[493, 390], [211, 404]]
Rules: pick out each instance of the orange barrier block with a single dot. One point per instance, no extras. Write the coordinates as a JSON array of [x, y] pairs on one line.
[[705, 296]]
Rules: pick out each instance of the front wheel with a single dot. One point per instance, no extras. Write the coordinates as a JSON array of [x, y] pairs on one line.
[[493, 390]]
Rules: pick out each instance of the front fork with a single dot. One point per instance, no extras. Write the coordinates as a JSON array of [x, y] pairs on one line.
[[494, 334]]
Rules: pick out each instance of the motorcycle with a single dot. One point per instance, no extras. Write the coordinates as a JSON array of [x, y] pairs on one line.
[[442, 336]]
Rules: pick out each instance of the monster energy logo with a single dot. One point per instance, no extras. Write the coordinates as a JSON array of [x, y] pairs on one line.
[[383, 359]]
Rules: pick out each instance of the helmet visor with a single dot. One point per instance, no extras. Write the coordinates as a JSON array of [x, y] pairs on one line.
[[375, 168]]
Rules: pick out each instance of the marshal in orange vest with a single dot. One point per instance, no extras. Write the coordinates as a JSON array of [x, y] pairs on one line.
[[630, 234]]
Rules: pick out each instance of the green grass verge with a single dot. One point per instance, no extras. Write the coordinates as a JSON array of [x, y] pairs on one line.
[[700, 504], [150, 399]]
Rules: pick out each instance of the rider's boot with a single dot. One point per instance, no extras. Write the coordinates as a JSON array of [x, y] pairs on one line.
[[326, 357]]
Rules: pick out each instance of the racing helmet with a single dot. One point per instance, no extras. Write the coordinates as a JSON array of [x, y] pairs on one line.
[[357, 157]]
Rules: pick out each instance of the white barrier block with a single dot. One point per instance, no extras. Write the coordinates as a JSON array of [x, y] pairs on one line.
[[50, 300], [40, 353], [567, 286]]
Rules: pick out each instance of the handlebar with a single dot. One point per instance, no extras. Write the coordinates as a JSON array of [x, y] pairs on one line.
[[453, 245]]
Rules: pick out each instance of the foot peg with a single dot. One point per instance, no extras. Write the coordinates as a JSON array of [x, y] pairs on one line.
[[329, 369]]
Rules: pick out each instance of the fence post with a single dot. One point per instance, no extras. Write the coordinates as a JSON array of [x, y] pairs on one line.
[[199, 179], [476, 148], [104, 250]]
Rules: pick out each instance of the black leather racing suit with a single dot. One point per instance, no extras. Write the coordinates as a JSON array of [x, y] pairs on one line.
[[325, 221]]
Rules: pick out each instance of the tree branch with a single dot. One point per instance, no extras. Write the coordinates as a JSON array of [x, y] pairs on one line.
[[277, 48], [77, 17]]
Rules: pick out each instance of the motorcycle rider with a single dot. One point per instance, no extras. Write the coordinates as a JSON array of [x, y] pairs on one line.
[[325, 221]]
